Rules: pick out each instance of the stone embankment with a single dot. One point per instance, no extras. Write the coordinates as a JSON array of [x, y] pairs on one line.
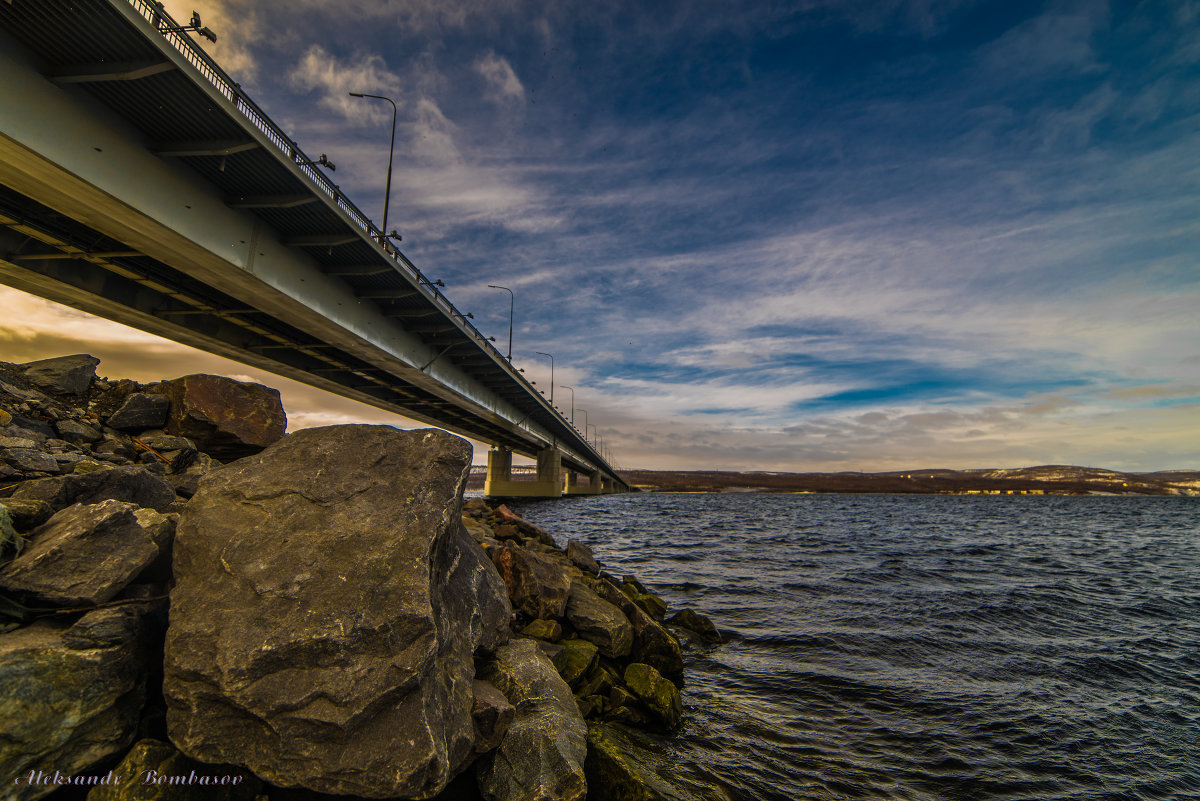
[[194, 605]]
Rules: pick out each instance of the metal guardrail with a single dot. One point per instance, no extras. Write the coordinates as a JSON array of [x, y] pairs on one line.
[[157, 16]]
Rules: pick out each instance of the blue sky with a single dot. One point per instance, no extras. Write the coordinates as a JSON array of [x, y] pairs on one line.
[[791, 236]]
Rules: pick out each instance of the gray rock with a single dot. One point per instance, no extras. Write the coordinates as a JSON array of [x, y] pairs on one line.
[[22, 443], [64, 375], [581, 556], [327, 610], [67, 461], [76, 432], [85, 555], [28, 460], [37, 430], [19, 393], [542, 755], [65, 708], [535, 585], [115, 444], [130, 483], [492, 715], [599, 622], [140, 411]]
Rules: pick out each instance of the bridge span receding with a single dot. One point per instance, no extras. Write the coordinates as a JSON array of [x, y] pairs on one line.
[[139, 183]]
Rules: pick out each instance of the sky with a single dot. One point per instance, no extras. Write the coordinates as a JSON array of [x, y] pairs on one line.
[[811, 235]]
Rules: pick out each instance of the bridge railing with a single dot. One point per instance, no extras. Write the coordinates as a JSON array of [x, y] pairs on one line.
[[157, 16]]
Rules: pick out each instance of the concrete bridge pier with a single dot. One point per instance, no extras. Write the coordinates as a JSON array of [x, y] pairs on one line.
[[572, 484], [499, 483]]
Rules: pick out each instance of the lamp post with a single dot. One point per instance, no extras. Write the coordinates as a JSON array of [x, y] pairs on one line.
[[586, 426], [387, 193], [584, 422], [564, 386], [510, 316], [551, 358]]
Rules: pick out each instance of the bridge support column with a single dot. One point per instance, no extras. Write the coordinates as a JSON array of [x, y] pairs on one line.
[[499, 483], [572, 484]]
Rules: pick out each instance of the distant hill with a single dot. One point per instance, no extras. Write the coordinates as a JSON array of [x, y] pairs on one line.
[[1043, 479]]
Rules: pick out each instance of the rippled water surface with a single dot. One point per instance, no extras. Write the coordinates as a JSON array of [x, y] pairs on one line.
[[925, 647]]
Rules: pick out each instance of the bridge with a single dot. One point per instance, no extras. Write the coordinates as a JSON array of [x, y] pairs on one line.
[[138, 182]]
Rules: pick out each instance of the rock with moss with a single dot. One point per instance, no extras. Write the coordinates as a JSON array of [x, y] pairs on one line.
[[11, 543], [70, 700], [27, 514], [698, 624], [542, 629], [658, 694], [542, 754], [579, 656], [624, 764]]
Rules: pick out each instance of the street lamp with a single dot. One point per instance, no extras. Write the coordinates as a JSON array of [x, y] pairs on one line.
[[387, 193], [510, 316], [564, 386], [584, 422], [539, 353], [586, 427]]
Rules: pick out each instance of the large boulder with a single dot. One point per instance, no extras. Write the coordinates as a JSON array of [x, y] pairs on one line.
[[327, 611], [63, 375], [131, 483], [227, 419], [69, 701], [542, 754], [85, 555]]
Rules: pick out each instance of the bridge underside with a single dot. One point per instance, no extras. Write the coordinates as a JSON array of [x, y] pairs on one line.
[[109, 203]]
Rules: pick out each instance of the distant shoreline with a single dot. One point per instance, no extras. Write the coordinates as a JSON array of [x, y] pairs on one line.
[[1041, 480]]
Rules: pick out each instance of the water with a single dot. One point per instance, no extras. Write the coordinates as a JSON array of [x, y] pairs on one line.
[[924, 647]]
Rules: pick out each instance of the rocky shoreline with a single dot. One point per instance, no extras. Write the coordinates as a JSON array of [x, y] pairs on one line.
[[194, 604]]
